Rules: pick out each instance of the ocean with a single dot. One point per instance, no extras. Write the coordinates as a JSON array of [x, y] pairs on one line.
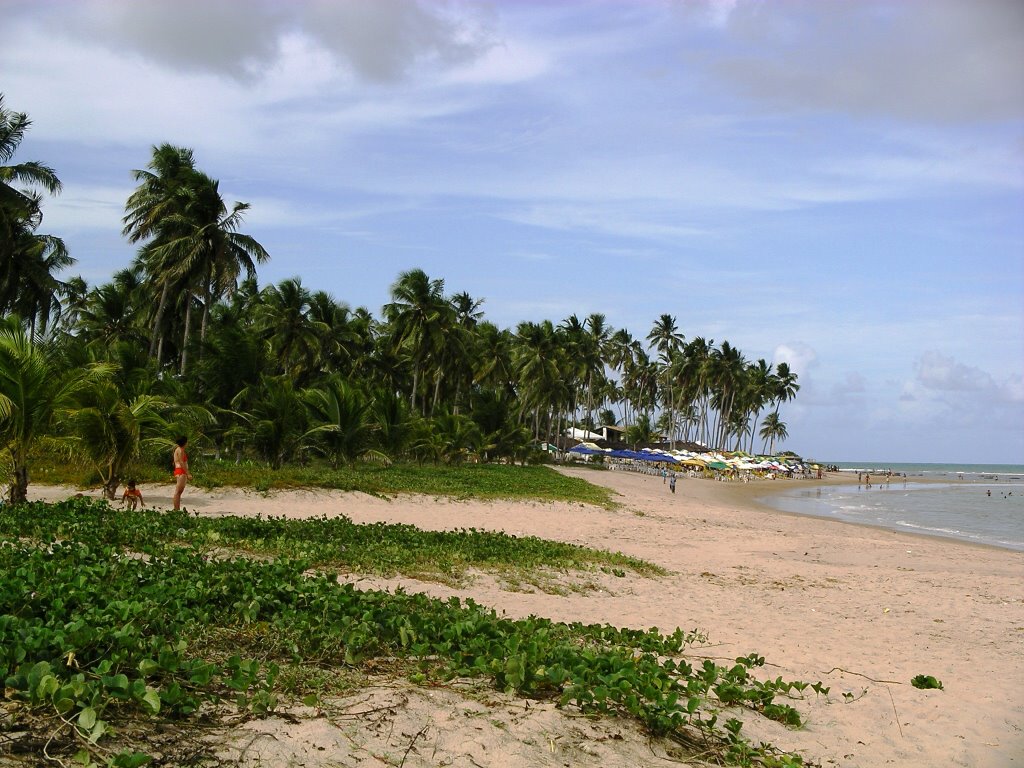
[[981, 503]]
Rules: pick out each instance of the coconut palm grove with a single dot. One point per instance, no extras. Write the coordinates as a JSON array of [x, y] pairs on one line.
[[185, 340]]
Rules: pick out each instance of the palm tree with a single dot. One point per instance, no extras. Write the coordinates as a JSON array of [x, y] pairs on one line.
[[110, 316], [34, 388], [462, 365], [619, 354], [204, 246], [537, 359], [19, 207], [111, 432], [493, 357], [448, 438], [193, 240], [392, 421], [593, 354], [162, 194], [416, 315], [727, 371], [773, 429], [785, 385], [759, 392], [28, 259], [665, 337], [276, 420], [641, 433], [28, 286], [284, 320], [343, 429], [576, 347]]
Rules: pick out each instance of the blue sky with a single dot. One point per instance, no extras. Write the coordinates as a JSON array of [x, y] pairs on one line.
[[837, 185]]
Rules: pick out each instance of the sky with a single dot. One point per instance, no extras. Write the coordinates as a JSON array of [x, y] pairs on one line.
[[836, 185]]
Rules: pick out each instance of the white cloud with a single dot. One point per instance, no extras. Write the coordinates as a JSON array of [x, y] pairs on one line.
[[936, 371], [800, 357], [379, 41], [919, 59]]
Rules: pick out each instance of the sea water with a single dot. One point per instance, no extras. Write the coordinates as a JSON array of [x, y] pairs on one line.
[[982, 503]]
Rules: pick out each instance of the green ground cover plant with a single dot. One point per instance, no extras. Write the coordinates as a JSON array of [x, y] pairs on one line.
[[480, 481], [338, 543], [96, 632]]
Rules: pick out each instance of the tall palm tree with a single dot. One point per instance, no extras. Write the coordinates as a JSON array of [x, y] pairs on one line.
[[162, 194], [666, 338], [594, 356], [463, 347], [760, 391], [417, 312], [728, 368], [206, 248], [537, 359], [194, 245], [493, 357], [576, 349]]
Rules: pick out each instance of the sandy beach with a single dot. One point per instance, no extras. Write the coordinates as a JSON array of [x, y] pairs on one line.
[[861, 609]]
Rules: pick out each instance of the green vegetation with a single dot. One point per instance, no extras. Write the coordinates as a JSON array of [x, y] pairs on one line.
[[926, 682], [338, 543], [482, 481], [102, 625], [465, 481]]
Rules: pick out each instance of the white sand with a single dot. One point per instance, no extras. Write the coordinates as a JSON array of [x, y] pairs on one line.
[[848, 605]]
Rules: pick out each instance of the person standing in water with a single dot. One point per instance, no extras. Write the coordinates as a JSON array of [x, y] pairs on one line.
[[181, 473]]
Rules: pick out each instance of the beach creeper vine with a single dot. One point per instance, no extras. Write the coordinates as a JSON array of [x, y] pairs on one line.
[[93, 635]]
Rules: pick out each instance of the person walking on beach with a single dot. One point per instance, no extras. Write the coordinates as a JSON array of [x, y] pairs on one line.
[[181, 473], [672, 483]]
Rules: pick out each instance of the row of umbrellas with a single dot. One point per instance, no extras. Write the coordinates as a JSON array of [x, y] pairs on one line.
[[710, 459]]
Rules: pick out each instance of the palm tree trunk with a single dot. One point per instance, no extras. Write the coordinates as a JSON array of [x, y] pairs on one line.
[[415, 381], [185, 335], [205, 318], [156, 340], [437, 391], [19, 488]]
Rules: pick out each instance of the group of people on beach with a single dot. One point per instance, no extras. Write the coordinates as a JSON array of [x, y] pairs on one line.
[[132, 497]]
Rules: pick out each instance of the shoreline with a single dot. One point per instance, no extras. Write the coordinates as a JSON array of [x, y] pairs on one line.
[[748, 495], [848, 605]]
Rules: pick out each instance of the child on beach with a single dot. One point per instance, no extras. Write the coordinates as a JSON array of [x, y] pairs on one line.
[[132, 496], [672, 482]]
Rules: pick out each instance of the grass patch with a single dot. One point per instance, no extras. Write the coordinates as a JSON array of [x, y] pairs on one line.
[[468, 481], [477, 481], [332, 543]]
